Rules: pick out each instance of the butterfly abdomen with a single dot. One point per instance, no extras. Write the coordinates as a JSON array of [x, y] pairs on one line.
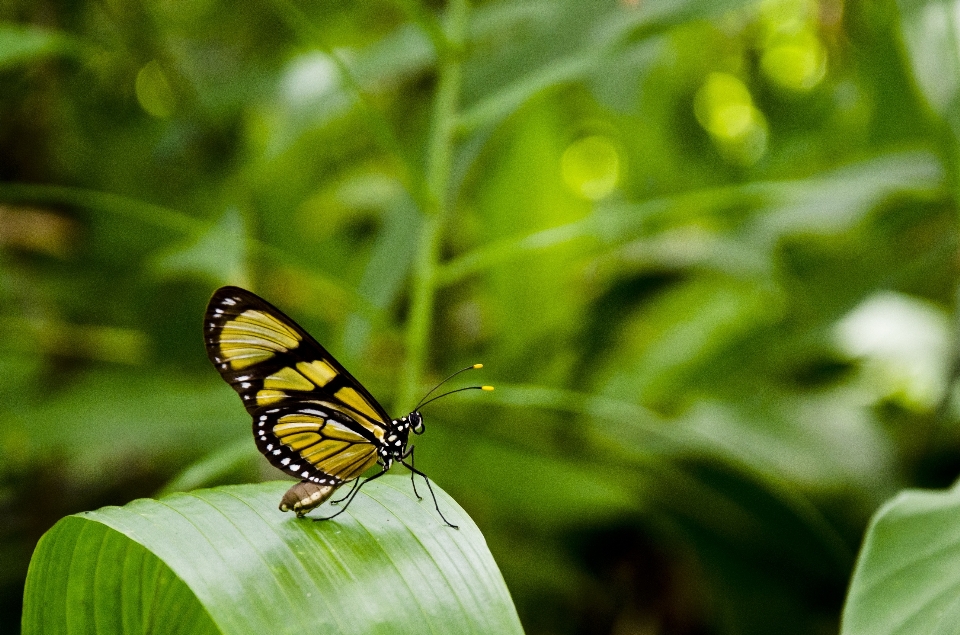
[[304, 496]]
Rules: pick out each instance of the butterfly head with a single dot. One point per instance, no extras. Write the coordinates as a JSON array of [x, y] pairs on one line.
[[416, 422]]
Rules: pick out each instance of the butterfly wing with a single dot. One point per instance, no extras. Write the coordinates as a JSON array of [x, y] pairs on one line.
[[311, 418], [313, 443]]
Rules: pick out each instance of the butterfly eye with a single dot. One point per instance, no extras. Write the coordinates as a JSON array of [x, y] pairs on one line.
[[417, 422]]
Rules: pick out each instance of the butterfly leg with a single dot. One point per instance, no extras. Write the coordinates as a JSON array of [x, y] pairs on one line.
[[414, 470], [356, 483], [412, 473], [353, 494]]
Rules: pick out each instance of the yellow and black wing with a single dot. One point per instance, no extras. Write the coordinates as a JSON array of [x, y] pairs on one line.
[[311, 418]]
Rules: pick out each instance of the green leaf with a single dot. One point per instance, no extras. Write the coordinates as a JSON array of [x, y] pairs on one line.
[[21, 44], [562, 42], [219, 253], [225, 560], [930, 31], [828, 203], [907, 579]]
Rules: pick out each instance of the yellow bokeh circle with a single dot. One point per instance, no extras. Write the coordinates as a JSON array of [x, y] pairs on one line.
[[591, 167]]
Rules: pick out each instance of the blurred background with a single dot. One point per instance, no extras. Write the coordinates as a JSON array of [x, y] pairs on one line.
[[705, 250]]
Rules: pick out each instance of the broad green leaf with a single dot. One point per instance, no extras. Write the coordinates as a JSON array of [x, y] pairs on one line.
[[224, 560], [907, 579]]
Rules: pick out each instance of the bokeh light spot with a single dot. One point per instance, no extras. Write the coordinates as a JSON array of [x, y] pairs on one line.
[[591, 167], [796, 63], [309, 77], [153, 91], [724, 107]]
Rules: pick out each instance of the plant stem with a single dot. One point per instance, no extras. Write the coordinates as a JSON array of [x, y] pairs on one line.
[[437, 206]]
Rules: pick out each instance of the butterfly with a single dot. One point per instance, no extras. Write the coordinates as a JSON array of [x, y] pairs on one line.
[[311, 418]]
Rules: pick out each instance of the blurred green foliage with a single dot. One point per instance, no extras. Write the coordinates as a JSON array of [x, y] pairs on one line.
[[706, 251]]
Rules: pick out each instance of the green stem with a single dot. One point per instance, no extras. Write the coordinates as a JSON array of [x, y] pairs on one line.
[[421, 311], [438, 164]]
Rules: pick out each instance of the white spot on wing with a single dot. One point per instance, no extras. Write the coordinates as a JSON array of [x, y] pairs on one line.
[[229, 301], [286, 461]]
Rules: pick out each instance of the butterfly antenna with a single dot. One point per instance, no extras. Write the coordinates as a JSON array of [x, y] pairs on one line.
[[424, 401], [488, 388]]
